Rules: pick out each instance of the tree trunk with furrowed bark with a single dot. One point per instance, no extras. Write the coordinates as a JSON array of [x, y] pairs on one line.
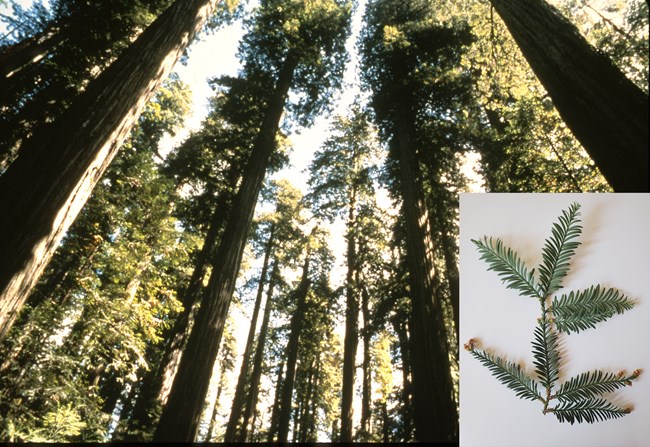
[[434, 408], [47, 185], [606, 112], [179, 421]]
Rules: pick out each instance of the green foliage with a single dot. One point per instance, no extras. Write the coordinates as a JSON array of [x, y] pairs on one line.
[[62, 424], [589, 410], [382, 365], [99, 313], [546, 354], [210, 162], [558, 250], [509, 373], [583, 309], [341, 173], [287, 220], [508, 265], [523, 143], [593, 384], [578, 397], [315, 33]]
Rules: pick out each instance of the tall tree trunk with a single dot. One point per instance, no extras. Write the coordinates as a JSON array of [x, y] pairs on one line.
[[251, 399], [180, 418], [366, 390], [305, 407], [434, 408], [192, 294], [47, 185], [275, 414], [351, 328], [238, 399], [449, 249], [606, 112], [157, 383], [292, 353], [401, 330]]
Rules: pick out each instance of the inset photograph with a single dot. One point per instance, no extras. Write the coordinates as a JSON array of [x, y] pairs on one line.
[[554, 319]]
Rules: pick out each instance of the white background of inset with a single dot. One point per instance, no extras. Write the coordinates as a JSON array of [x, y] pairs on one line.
[[615, 252]]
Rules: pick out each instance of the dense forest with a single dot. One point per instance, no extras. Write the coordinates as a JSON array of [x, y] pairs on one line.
[[198, 292]]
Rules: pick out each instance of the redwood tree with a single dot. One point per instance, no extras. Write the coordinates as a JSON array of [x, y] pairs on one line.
[[306, 55], [296, 325], [44, 189], [181, 415], [342, 185], [405, 49], [288, 246], [606, 112]]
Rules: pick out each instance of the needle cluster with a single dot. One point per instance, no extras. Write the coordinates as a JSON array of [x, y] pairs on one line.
[[580, 398]]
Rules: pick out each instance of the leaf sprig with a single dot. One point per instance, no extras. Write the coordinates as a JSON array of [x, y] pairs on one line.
[[509, 373], [589, 410], [508, 265], [582, 310], [546, 354], [558, 250], [578, 399], [592, 384]]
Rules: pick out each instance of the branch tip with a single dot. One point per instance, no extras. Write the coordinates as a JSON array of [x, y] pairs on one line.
[[470, 344]]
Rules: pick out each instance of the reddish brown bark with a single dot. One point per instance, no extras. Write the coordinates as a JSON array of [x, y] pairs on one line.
[[180, 418], [434, 408], [47, 185], [606, 112]]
